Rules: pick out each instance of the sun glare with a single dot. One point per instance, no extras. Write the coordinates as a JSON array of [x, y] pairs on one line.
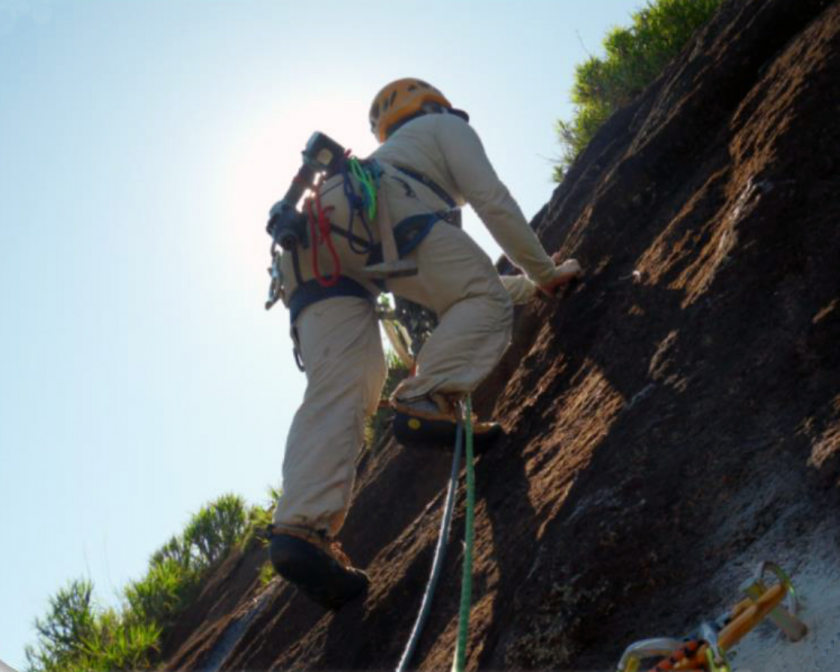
[[266, 155]]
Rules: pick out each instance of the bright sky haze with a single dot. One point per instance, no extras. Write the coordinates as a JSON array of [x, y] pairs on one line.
[[142, 144]]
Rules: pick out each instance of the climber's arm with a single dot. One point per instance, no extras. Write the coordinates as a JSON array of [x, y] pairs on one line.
[[477, 181]]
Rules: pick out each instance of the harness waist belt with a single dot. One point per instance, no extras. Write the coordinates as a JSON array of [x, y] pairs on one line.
[[311, 291]]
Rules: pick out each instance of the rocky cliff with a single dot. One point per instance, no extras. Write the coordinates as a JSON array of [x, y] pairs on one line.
[[672, 421]]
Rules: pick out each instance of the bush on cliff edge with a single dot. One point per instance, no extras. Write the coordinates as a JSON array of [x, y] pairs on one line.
[[634, 57]]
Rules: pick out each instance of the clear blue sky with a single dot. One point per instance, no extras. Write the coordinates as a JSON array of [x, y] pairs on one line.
[[141, 145]]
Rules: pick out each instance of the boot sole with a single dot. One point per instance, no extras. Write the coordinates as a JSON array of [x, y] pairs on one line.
[[317, 574]]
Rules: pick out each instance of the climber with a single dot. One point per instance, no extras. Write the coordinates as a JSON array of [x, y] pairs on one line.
[[430, 162]]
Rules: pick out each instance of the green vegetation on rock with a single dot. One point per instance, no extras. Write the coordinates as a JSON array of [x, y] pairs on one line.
[[77, 635], [634, 57]]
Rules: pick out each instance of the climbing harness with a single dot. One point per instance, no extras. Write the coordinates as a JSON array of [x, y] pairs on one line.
[[708, 649], [432, 186], [300, 221], [464, 428], [323, 158]]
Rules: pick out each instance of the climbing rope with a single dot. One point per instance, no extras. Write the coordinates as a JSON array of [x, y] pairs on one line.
[[460, 661], [440, 554], [464, 427], [687, 650]]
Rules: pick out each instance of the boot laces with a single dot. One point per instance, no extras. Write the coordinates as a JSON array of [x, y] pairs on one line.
[[331, 547]]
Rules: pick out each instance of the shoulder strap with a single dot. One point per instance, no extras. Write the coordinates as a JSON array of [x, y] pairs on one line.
[[439, 191]]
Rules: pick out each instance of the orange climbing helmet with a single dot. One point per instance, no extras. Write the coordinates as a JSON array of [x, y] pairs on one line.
[[400, 100]]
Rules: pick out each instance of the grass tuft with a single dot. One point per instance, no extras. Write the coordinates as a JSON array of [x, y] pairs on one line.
[[78, 636]]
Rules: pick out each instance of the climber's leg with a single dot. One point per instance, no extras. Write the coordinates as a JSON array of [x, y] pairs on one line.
[[345, 369], [458, 281]]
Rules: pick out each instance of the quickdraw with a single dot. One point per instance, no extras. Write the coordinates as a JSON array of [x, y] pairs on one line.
[[368, 178], [360, 204]]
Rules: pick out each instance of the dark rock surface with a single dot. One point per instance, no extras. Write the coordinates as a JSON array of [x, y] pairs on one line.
[[666, 431]]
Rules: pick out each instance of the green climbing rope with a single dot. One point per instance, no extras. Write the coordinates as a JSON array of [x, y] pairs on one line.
[[459, 664]]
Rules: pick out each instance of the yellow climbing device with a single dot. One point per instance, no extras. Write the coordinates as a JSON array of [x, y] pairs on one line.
[[708, 649]]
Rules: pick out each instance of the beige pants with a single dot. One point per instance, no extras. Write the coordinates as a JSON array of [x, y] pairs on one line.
[[342, 352]]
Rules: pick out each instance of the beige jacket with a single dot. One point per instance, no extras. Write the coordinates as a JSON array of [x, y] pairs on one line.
[[446, 149]]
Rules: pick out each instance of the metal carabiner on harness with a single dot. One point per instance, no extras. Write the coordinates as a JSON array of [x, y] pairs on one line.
[[296, 350], [275, 289]]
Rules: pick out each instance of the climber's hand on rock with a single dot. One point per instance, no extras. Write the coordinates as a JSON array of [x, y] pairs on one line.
[[564, 273]]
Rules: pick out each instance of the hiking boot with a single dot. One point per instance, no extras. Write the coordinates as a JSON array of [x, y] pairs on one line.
[[424, 421], [319, 568]]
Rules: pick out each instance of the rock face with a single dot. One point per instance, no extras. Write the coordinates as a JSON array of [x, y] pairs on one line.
[[668, 429]]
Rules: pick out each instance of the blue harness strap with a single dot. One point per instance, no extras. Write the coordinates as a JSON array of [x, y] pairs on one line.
[[311, 292], [409, 233], [439, 191]]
